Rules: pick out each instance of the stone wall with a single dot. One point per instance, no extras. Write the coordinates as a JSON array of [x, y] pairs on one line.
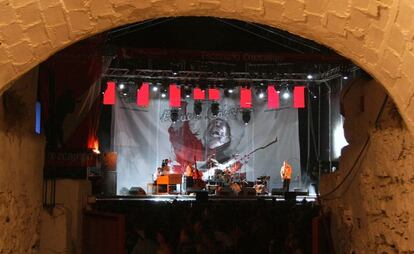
[[372, 211], [378, 35], [21, 167]]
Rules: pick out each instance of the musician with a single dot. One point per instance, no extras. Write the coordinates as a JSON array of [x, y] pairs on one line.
[[188, 174], [286, 174]]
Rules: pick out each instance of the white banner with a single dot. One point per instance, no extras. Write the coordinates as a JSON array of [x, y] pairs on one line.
[[144, 137]]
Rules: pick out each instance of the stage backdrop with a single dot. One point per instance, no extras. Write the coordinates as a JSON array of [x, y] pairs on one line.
[[143, 137]]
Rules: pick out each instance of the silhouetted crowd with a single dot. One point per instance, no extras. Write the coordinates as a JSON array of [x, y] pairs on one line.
[[218, 227]]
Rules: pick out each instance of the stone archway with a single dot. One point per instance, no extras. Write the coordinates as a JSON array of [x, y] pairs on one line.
[[376, 35]]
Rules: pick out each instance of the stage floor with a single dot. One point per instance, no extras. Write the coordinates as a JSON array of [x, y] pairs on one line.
[[191, 198]]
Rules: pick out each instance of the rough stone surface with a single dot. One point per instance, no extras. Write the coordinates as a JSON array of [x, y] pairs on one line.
[[381, 30], [378, 35], [372, 211], [20, 168]]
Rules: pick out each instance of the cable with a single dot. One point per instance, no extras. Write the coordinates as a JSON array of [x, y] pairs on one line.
[[296, 40], [260, 36], [357, 159]]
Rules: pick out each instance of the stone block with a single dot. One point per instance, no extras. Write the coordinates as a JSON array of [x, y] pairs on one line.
[[340, 8], [43, 50], [71, 5], [405, 17], [273, 10], [186, 6], [390, 63], [403, 90], [294, 10], [228, 6], [408, 65], [374, 37], [7, 13], [54, 15], [29, 14], [11, 34], [382, 18], [336, 24], [59, 34], [358, 20], [7, 73], [396, 40], [256, 5], [37, 34], [21, 52], [371, 55], [100, 8], [79, 21], [317, 7]]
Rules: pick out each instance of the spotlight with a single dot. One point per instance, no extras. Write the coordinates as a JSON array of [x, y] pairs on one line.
[[315, 97], [286, 95], [231, 90], [261, 95], [246, 116], [309, 76], [187, 96], [198, 108], [174, 115], [155, 88], [163, 95], [125, 94], [215, 108], [121, 86], [345, 77]]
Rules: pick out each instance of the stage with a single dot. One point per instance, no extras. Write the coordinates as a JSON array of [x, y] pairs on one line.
[[297, 196]]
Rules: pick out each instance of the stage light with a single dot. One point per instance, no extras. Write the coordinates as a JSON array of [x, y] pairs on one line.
[[198, 108], [174, 115], [286, 95], [315, 97], [309, 76], [231, 90], [163, 95], [155, 88], [246, 116], [345, 77], [125, 94], [187, 96], [121, 86], [215, 107], [261, 95]]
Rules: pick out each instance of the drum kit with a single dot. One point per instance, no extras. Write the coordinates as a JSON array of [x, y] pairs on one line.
[[262, 185]]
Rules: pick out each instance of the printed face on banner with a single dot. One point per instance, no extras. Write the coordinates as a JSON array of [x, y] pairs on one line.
[[217, 143]]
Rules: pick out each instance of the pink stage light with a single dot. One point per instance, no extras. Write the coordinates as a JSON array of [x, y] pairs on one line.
[[245, 98], [175, 96], [109, 94], [299, 97], [213, 94], [199, 94], [143, 95], [272, 97]]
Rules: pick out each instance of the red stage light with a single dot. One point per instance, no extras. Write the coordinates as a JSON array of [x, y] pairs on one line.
[[299, 97], [109, 94], [213, 94], [245, 98], [199, 94], [143, 95], [175, 96], [272, 97]]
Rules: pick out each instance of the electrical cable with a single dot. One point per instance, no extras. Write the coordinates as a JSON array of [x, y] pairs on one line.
[[284, 36], [260, 36], [357, 159]]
